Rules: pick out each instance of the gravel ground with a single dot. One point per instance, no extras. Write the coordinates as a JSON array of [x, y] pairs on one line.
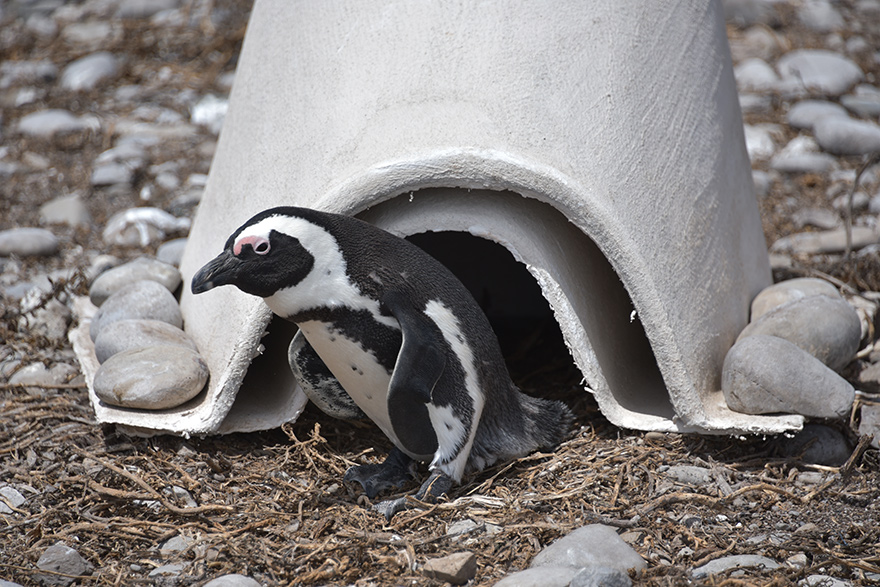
[[172, 511]]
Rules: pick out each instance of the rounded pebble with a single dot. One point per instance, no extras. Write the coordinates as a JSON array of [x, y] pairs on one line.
[[819, 70], [825, 327], [87, 72], [736, 561], [599, 576], [26, 242], [171, 252], [234, 580], [125, 335], [807, 113], [47, 123], [790, 290], [65, 564], [594, 544], [151, 378], [143, 299], [816, 444], [69, 210], [846, 136], [142, 268], [768, 375]]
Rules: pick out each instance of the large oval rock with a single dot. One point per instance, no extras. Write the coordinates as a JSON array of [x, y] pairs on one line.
[[790, 290], [125, 335], [151, 378], [825, 327], [767, 375], [594, 544], [26, 242], [146, 300], [143, 268]]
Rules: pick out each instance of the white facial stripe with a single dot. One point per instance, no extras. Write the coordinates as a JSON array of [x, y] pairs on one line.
[[451, 436], [327, 284]]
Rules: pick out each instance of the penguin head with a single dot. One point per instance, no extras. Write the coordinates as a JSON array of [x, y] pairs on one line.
[[272, 251]]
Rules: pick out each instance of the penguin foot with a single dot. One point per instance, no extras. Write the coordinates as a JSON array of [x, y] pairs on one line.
[[397, 470], [430, 491]]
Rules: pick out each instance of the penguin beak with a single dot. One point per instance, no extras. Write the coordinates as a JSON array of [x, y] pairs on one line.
[[222, 270]]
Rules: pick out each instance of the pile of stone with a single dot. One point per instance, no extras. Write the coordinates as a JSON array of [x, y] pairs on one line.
[[147, 361]]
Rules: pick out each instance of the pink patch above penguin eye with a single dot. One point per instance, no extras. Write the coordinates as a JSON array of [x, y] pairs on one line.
[[259, 244]]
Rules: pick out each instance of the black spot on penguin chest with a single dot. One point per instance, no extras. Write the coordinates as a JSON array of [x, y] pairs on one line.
[[381, 340]]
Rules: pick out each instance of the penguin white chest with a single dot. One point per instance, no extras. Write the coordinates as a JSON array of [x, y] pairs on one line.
[[356, 369]]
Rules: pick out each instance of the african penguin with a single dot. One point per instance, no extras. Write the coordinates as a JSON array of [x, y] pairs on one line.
[[388, 333]]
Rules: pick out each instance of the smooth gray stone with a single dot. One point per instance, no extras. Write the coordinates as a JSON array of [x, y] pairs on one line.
[[545, 576], [144, 299], [140, 226], [762, 181], [112, 174], [820, 71], [142, 268], [816, 444], [759, 141], [847, 136], [806, 113], [4, 583], [737, 561], [828, 241], [91, 33], [47, 123], [151, 378], [755, 103], [171, 252], [144, 8], [26, 242], [755, 75], [69, 210], [790, 290], [820, 16], [863, 106], [690, 475], [170, 570], [826, 327], [234, 580], [38, 375], [869, 424], [596, 576], [87, 72], [126, 335], [594, 544], [756, 41], [457, 568], [823, 581], [50, 321], [803, 162], [745, 13], [818, 217], [768, 375], [26, 73], [13, 497], [210, 112], [60, 558]]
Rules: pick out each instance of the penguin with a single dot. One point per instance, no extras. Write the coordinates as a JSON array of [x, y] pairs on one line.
[[387, 333]]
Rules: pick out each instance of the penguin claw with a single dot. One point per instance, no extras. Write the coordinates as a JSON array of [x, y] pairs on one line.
[[431, 490], [394, 472]]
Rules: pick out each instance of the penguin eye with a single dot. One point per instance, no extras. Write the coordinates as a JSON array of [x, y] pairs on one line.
[[261, 248]]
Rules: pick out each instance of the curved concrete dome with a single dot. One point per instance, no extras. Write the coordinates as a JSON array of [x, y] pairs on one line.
[[600, 143]]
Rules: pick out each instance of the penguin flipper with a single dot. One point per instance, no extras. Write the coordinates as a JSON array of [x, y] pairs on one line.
[[419, 365], [318, 383]]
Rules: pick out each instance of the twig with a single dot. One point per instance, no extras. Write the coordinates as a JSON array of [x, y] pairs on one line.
[[864, 442], [149, 488]]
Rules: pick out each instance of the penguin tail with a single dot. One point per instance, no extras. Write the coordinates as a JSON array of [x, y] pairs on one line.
[[547, 421]]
